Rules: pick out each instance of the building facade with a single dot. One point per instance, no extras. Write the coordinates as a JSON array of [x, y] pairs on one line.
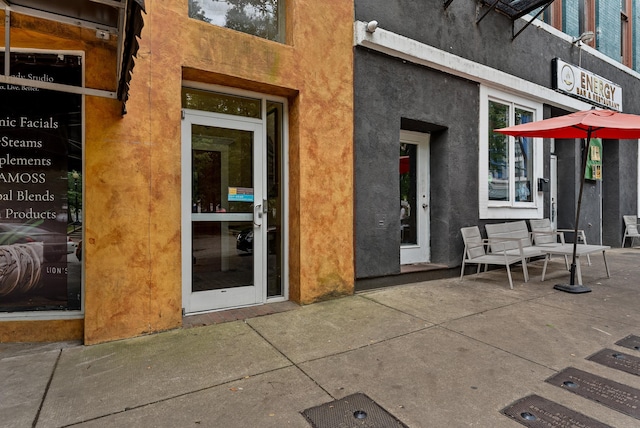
[[228, 182], [239, 153], [428, 94]]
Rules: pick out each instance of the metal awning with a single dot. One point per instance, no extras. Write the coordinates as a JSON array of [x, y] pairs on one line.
[[514, 9], [110, 18]]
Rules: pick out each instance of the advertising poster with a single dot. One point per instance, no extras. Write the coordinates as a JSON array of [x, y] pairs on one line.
[[40, 186]]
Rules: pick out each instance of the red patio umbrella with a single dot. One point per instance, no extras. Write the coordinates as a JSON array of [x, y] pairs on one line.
[[404, 164], [587, 124]]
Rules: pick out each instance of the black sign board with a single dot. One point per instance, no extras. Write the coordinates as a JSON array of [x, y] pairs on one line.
[[631, 342], [617, 360], [40, 185], [607, 392], [535, 411]]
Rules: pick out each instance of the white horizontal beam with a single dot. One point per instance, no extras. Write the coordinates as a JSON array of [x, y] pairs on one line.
[[411, 50], [10, 80]]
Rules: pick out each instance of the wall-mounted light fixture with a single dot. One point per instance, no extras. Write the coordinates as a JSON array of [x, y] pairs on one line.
[[372, 26], [585, 37]]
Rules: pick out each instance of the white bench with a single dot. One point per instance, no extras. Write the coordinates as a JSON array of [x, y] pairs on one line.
[[511, 236], [475, 252]]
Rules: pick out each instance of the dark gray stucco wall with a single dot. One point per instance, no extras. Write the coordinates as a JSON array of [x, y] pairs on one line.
[[569, 171], [454, 30], [620, 193], [386, 91]]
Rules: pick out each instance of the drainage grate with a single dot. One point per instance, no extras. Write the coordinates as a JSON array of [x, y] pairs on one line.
[[617, 360], [353, 411], [536, 411], [631, 342], [614, 395]]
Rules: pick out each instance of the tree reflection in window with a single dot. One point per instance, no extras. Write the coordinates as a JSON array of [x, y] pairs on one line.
[[262, 18], [523, 160], [498, 153], [510, 160]]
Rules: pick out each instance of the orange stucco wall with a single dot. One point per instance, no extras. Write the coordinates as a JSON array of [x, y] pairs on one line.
[[132, 170]]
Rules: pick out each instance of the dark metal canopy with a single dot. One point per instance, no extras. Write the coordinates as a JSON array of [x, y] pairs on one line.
[[110, 18], [515, 9]]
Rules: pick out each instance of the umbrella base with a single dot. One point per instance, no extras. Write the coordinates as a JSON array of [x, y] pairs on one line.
[[574, 289]]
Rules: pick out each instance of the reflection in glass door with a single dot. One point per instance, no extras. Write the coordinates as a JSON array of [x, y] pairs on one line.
[[227, 209], [222, 208]]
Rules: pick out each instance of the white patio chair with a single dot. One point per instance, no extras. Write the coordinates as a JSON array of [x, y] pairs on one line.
[[544, 234], [475, 252], [630, 228]]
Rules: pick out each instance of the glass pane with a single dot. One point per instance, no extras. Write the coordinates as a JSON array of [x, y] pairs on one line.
[[41, 202], [498, 153], [220, 103], [222, 255], [262, 18], [222, 170], [274, 200], [523, 160], [408, 184]]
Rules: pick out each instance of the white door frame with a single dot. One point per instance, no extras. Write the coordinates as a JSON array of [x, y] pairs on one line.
[[420, 252], [203, 301], [553, 191]]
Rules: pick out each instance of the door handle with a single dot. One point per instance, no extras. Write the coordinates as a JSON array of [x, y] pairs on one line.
[[425, 206], [257, 215]]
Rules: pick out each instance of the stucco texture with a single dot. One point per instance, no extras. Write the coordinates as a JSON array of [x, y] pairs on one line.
[[132, 162], [314, 70], [100, 60]]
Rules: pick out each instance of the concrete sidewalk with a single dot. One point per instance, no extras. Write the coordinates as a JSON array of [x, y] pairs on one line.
[[441, 353]]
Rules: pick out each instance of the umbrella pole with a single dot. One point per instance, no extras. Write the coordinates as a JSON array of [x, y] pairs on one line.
[[572, 287]]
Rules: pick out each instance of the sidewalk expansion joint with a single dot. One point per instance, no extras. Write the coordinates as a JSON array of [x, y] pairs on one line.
[[46, 390]]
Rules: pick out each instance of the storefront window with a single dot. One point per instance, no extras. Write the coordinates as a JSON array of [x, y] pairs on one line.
[[509, 166], [41, 186], [262, 18]]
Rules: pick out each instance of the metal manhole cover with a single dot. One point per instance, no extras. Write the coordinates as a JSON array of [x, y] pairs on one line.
[[631, 342], [614, 395], [536, 411], [353, 411], [617, 360]]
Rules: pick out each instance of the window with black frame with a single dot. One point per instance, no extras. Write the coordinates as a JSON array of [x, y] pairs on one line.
[[41, 186]]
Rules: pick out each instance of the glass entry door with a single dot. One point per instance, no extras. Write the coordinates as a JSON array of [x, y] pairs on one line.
[[224, 240], [414, 198]]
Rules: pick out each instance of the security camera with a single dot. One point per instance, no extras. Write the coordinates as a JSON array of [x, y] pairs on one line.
[[371, 26]]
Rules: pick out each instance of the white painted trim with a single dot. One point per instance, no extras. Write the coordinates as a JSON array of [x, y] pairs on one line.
[[186, 172], [57, 87], [420, 252], [402, 47], [506, 209]]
